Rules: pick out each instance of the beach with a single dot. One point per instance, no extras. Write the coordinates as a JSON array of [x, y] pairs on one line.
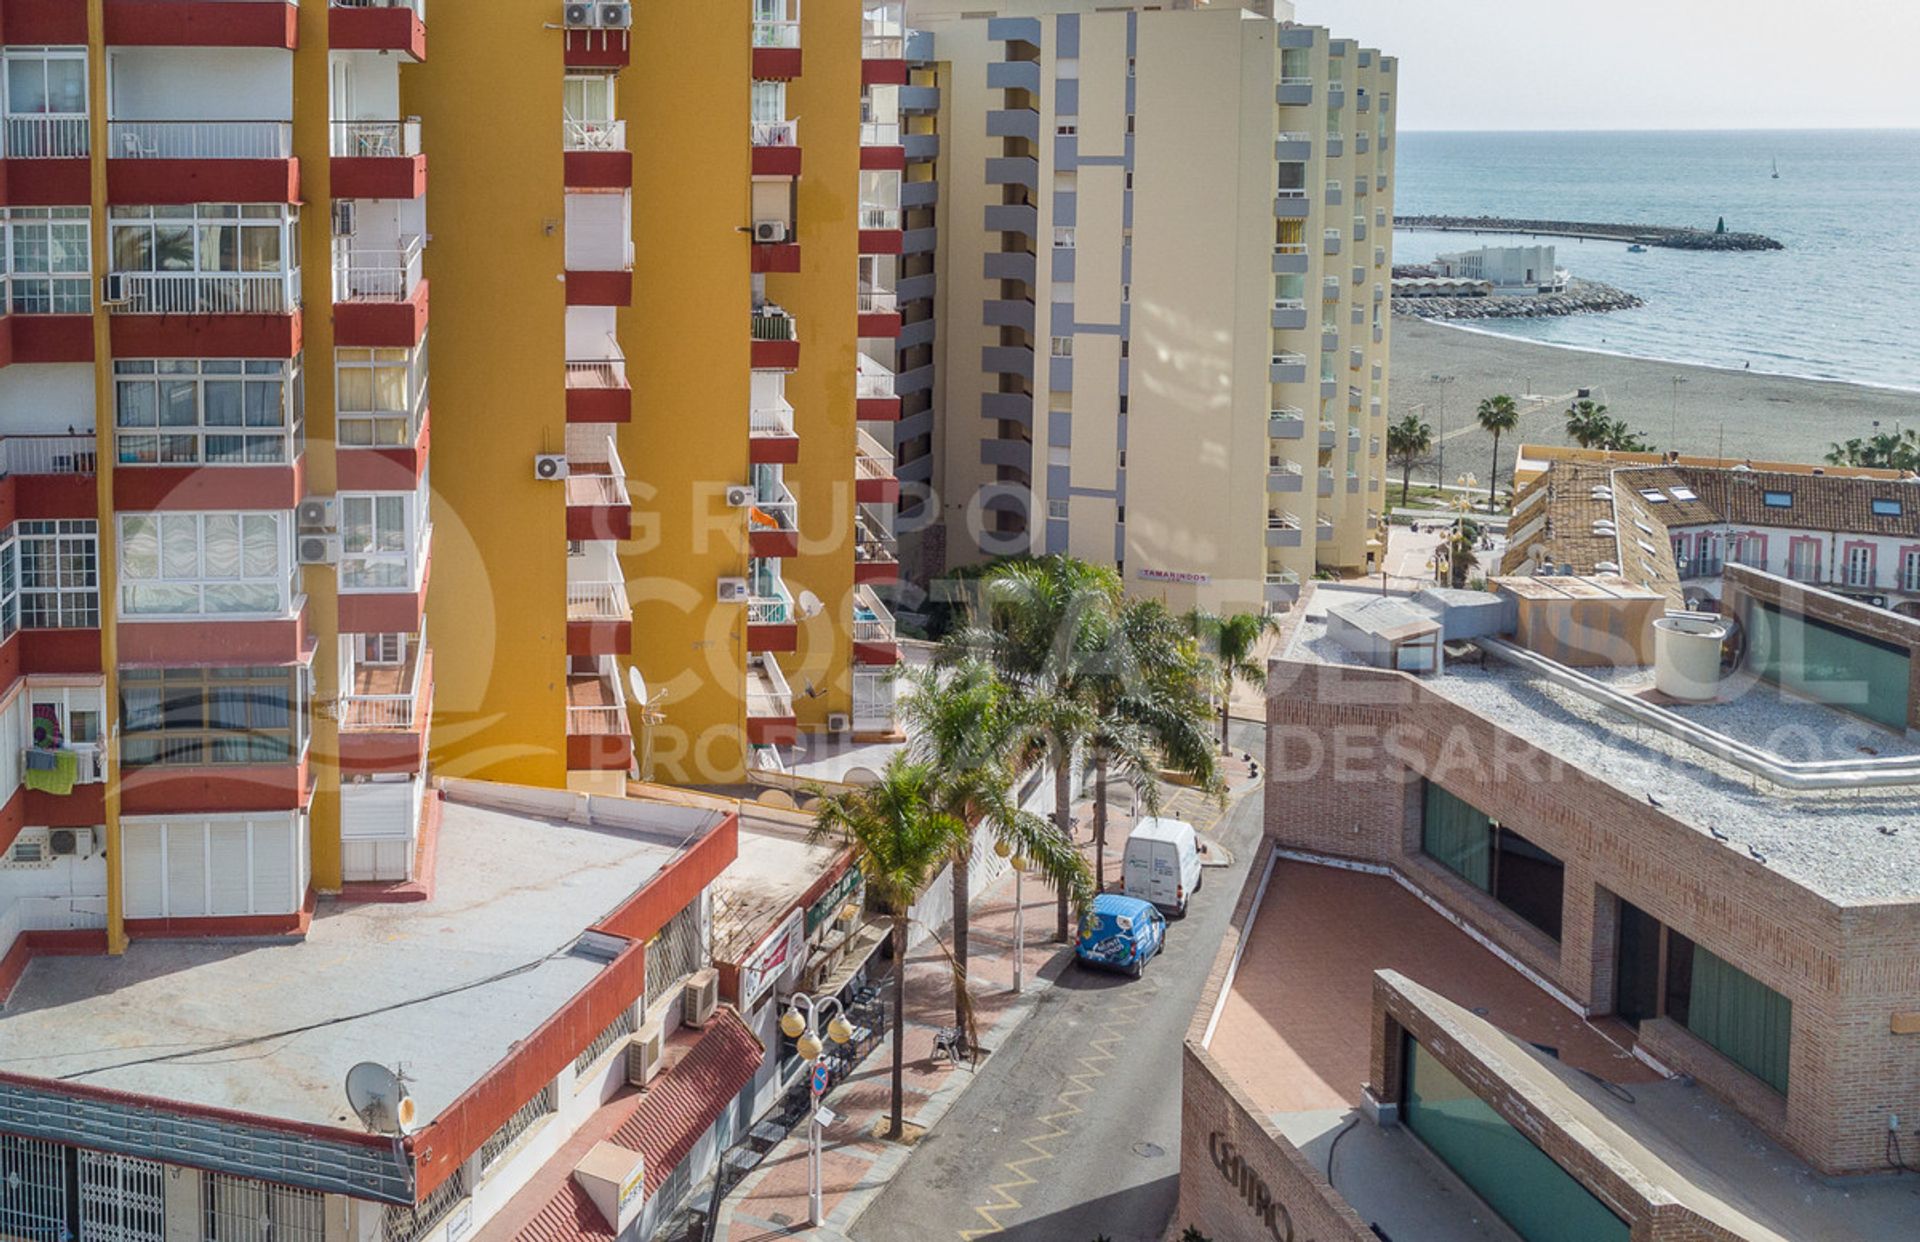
[[1715, 412]]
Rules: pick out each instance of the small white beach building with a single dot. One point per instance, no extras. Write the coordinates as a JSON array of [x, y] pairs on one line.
[[1509, 269]]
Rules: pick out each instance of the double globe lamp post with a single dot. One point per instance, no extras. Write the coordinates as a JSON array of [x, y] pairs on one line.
[[801, 1023]]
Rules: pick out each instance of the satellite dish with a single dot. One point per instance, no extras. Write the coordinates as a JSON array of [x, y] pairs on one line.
[[810, 604], [379, 1098], [637, 685]]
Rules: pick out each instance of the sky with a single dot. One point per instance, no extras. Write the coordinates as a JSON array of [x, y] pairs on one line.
[[1642, 64]]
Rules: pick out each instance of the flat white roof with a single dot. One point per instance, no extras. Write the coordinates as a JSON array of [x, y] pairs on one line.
[[1160, 828]]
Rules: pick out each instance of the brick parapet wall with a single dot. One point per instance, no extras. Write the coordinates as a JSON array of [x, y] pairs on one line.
[[1742, 584]]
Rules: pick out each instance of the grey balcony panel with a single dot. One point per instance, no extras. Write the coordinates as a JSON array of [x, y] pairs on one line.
[[1329, 388], [1007, 360], [1287, 593], [1286, 428], [1293, 93], [1332, 245], [1060, 319], [1062, 264], [1060, 374], [1329, 341], [919, 470], [1283, 536], [1364, 58], [1359, 316], [1056, 537], [1293, 150], [1326, 437], [1291, 207], [1015, 453], [1013, 218], [919, 46], [1359, 230], [1066, 34], [1008, 29], [1359, 274], [1284, 481], [1014, 170], [919, 379], [919, 99], [1126, 384], [1289, 317], [1013, 123], [1353, 483], [919, 332], [919, 193], [1059, 428], [1007, 313], [1008, 265], [918, 241], [1014, 75], [1296, 36], [1005, 499], [1336, 98], [1360, 144], [1323, 534], [1335, 196], [1325, 485], [1127, 144], [1126, 320], [1336, 146], [1066, 96], [1288, 372], [1066, 152], [914, 288], [1364, 103], [1291, 264], [1379, 335], [921, 146], [909, 428], [1066, 209], [1133, 95], [1007, 407]]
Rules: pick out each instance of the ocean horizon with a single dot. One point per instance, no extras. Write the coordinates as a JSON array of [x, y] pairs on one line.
[[1840, 303]]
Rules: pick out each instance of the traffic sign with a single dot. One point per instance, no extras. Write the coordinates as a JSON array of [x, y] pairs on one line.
[[821, 1075]]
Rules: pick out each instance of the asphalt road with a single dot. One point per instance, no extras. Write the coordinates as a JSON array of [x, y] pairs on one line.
[[1073, 1130]]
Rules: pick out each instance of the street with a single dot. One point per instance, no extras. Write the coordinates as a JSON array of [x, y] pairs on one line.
[[1073, 1129]]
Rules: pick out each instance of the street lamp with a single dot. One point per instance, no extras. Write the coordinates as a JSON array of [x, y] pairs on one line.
[[1019, 864], [1462, 504], [801, 1023]]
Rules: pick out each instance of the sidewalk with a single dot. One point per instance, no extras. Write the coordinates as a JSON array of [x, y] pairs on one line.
[[771, 1202]]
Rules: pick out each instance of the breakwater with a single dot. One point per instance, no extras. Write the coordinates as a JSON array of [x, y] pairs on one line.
[[1665, 236], [1580, 297]]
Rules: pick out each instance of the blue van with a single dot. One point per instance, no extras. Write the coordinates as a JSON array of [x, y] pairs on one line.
[[1120, 932]]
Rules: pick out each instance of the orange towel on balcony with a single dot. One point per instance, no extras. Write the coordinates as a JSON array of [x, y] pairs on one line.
[[760, 517]]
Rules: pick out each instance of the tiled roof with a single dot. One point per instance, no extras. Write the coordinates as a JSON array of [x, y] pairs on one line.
[[677, 1108], [1820, 502]]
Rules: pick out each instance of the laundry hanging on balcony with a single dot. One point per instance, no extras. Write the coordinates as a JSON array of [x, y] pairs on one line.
[[59, 778], [46, 726]]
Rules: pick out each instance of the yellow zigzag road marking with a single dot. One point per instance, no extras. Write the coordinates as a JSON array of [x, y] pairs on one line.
[[1104, 1048]]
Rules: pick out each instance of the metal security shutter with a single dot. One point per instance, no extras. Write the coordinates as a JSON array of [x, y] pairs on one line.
[[122, 1199], [229, 870], [33, 1188], [239, 1209], [186, 870], [274, 867], [142, 872]]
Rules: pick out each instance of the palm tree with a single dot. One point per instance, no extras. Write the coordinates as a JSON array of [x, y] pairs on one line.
[[1407, 441], [1497, 414], [963, 726], [1461, 557], [1229, 642], [899, 837], [1886, 450], [1616, 437], [1587, 423]]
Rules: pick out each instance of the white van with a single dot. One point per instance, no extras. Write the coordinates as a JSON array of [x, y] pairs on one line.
[[1162, 863]]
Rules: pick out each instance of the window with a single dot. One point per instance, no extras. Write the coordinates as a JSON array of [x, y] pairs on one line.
[[46, 94], [381, 539], [1063, 237], [1494, 859], [240, 1209], [1803, 560], [623, 1025], [1910, 570], [1057, 509], [1130, 66], [1860, 565], [49, 260], [769, 102], [1829, 664], [179, 717], [1653, 496], [1886, 507], [1750, 549], [1062, 347], [1066, 131], [1682, 493], [1778, 500], [379, 395], [587, 97], [59, 574], [191, 563], [207, 237], [501, 1142], [1747, 1021], [208, 411]]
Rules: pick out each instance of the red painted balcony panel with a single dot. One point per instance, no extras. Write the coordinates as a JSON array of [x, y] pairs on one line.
[[781, 257], [146, 489], [85, 807], [879, 72], [45, 183], [356, 176], [389, 750], [879, 158], [773, 637], [593, 638], [876, 571], [881, 241], [51, 338], [599, 405], [43, 22], [776, 64], [382, 325], [773, 543], [599, 752], [385, 612], [773, 450], [773, 730], [877, 409], [777, 161], [385, 469], [598, 170], [885, 654], [215, 787], [206, 336], [200, 23], [215, 640], [775, 355], [883, 491], [598, 49], [599, 288], [60, 651], [599, 521], [882, 324], [135, 183], [49, 496], [377, 30]]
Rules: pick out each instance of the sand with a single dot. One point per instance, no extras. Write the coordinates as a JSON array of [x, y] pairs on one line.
[[1738, 413]]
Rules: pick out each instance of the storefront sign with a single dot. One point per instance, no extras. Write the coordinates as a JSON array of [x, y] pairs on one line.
[[1251, 1188], [824, 910], [1175, 575], [784, 947]]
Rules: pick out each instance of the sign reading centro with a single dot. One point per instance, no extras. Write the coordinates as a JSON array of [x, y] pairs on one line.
[[1250, 1186]]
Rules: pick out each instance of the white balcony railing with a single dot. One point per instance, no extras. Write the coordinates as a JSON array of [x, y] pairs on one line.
[[594, 489], [878, 302], [48, 136], [771, 421], [369, 274], [879, 133], [779, 31], [596, 372], [872, 623], [871, 460], [200, 140], [209, 293], [871, 542], [598, 601], [1289, 360], [872, 380], [770, 605], [419, 7], [771, 323], [375, 139], [776, 133], [777, 505], [604, 712], [402, 706], [594, 135], [879, 217], [48, 455], [1283, 521], [767, 691]]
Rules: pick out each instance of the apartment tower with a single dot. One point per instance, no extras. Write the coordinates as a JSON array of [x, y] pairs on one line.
[[1163, 275]]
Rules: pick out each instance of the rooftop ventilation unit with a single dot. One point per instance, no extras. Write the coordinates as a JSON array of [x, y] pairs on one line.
[[580, 16]]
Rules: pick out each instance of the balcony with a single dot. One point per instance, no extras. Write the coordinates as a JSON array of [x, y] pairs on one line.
[[379, 26], [874, 640], [177, 162], [1284, 476], [873, 481], [1325, 483], [208, 293], [1283, 530], [596, 154], [776, 148], [1330, 289], [379, 297], [598, 506], [1326, 432], [773, 520], [771, 438], [1293, 147], [599, 617], [772, 623], [770, 715], [1291, 204], [1322, 528], [1289, 314], [880, 231], [1296, 91], [776, 42], [1290, 259], [381, 697], [48, 136], [879, 313], [1286, 423], [200, 23], [1283, 587], [883, 44], [776, 339], [597, 389], [599, 737], [51, 476], [873, 705], [1288, 368], [377, 159], [876, 395], [876, 556]]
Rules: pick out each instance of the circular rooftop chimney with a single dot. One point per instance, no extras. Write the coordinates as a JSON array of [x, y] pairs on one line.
[[1686, 656]]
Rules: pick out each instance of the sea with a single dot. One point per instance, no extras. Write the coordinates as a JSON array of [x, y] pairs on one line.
[[1841, 302]]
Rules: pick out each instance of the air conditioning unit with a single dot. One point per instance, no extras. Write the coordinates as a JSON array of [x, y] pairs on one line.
[[318, 549], [839, 722], [70, 842], [700, 997], [113, 289], [580, 16], [732, 590], [643, 1053], [550, 467], [30, 849], [739, 496], [615, 16], [320, 513], [343, 223], [769, 230]]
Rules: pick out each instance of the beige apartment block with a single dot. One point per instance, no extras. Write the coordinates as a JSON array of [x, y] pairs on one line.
[[1162, 276]]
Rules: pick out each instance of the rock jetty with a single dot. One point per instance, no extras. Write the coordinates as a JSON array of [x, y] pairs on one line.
[[1581, 297], [1661, 235]]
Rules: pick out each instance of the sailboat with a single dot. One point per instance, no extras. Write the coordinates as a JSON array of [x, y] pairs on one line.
[[1776, 168]]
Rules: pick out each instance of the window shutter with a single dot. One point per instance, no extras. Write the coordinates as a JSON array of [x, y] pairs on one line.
[[145, 895], [273, 866], [186, 870], [231, 870]]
